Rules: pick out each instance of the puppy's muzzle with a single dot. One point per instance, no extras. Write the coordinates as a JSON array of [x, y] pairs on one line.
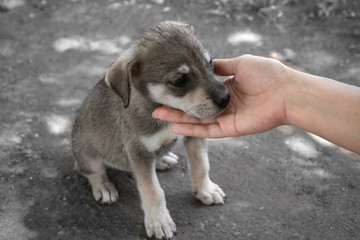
[[220, 96]]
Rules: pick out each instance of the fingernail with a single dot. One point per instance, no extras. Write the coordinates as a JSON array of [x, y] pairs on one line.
[[175, 129], [155, 114]]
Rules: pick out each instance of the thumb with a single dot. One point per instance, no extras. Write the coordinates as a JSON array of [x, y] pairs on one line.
[[226, 67]]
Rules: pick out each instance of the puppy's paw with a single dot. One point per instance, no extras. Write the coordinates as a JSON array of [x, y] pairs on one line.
[[102, 189], [209, 193], [159, 224], [167, 161], [106, 193]]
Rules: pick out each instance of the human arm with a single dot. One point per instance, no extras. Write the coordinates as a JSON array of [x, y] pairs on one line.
[[266, 94], [325, 107]]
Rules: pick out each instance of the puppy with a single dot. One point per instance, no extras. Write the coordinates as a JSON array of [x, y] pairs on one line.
[[115, 128]]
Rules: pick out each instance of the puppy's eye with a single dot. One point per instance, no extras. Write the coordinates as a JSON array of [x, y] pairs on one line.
[[180, 82], [212, 65]]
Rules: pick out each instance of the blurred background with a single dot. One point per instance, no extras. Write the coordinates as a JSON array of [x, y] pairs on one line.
[[283, 184]]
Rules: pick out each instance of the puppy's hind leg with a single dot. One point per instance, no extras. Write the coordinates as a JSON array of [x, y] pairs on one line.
[[166, 161], [102, 189]]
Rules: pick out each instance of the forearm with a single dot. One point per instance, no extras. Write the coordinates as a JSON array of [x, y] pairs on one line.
[[325, 107]]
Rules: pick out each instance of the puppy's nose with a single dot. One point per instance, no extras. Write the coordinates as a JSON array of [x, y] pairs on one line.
[[222, 101]]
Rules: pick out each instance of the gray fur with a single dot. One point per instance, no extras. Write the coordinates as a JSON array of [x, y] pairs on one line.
[[114, 126]]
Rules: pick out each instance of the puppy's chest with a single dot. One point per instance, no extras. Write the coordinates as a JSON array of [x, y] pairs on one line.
[[160, 140]]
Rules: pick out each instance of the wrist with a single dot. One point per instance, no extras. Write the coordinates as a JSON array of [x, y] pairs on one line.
[[288, 90], [308, 100], [297, 95]]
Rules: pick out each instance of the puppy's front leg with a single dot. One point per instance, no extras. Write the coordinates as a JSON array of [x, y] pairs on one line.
[[157, 219], [205, 190]]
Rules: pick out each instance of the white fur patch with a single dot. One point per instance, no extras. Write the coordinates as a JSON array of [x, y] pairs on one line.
[[207, 56], [183, 69], [154, 142]]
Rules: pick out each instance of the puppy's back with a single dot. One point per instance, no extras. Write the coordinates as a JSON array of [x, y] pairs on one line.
[[98, 124]]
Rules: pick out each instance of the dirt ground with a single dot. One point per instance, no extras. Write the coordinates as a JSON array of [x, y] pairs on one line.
[[283, 184]]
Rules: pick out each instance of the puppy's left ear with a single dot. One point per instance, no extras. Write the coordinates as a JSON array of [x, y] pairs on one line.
[[119, 76], [191, 28]]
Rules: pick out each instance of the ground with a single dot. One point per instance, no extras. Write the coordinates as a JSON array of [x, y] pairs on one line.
[[283, 184]]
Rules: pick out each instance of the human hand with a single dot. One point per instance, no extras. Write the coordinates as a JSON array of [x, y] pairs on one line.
[[257, 100]]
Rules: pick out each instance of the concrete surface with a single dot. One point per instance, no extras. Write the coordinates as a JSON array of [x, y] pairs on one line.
[[283, 184]]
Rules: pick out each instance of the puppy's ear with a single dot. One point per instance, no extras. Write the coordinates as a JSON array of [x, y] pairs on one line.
[[187, 26], [118, 78], [191, 28]]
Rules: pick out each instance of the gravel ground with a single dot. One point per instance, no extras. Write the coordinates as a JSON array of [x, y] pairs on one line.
[[283, 184]]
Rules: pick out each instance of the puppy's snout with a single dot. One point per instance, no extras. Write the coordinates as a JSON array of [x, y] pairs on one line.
[[222, 101], [220, 96]]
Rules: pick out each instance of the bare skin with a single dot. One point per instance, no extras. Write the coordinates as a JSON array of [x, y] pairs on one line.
[[265, 94]]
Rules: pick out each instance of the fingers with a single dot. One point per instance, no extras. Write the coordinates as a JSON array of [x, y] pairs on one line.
[[169, 114], [199, 130], [187, 125]]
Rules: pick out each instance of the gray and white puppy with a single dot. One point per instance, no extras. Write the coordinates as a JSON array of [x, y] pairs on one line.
[[115, 128]]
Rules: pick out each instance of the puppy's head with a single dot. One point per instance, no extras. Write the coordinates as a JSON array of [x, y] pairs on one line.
[[170, 66]]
